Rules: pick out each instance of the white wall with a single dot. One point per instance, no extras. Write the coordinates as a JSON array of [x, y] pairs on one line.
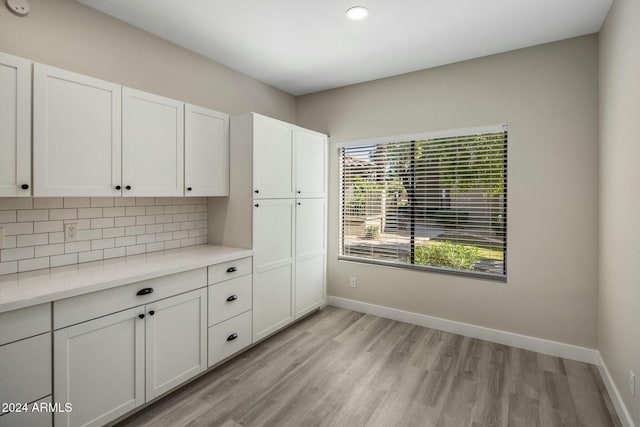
[[67, 34], [548, 95], [619, 300]]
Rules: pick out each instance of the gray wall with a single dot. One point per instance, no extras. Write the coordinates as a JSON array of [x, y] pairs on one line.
[[548, 95], [619, 314], [69, 35]]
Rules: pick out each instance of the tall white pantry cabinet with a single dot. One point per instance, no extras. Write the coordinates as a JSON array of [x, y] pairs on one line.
[[278, 207]]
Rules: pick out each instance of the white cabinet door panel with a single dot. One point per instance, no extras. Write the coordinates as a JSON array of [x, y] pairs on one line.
[[152, 144], [99, 368], [15, 126], [272, 158], [272, 300], [76, 134], [206, 150], [311, 163], [176, 346], [273, 240], [25, 369], [310, 255], [29, 419], [310, 284], [310, 227]]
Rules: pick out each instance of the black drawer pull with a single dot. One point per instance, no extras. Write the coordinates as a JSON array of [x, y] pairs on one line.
[[141, 316], [25, 186], [152, 312], [232, 298], [232, 337], [231, 270], [145, 291]]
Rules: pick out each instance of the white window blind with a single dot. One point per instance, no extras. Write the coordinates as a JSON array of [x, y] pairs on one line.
[[434, 203]]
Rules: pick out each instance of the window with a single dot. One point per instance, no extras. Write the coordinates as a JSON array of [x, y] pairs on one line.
[[435, 201]]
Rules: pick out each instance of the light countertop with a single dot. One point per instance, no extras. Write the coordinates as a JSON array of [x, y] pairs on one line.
[[42, 286]]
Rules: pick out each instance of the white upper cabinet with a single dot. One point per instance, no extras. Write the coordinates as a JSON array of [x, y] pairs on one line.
[[288, 161], [15, 126], [76, 134], [272, 158], [152, 144], [206, 152], [311, 160]]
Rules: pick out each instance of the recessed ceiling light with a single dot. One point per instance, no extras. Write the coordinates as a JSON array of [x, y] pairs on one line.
[[357, 13]]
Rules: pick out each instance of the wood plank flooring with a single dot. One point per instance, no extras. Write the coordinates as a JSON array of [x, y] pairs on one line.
[[341, 368]]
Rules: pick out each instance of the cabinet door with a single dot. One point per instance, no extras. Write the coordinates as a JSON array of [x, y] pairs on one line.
[[25, 369], [273, 244], [29, 419], [310, 254], [176, 346], [76, 134], [272, 158], [99, 368], [311, 163], [152, 144], [15, 126], [206, 152]]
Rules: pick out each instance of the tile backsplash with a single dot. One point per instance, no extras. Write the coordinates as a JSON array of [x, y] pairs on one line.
[[107, 228]]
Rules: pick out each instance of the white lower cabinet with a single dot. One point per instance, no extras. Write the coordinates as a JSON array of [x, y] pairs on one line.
[[272, 293], [99, 368], [229, 337], [102, 366], [25, 366], [175, 341], [38, 415]]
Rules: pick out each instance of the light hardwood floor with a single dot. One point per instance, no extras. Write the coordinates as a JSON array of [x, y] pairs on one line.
[[341, 368]]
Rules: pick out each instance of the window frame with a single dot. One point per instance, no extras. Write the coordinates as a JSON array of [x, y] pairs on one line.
[[449, 133]]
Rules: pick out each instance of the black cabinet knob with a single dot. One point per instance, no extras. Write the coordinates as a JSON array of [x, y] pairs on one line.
[[256, 205], [299, 203], [145, 291], [298, 191], [256, 191], [128, 187], [152, 312], [232, 298], [232, 337], [118, 187], [141, 316], [189, 188], [25, 186]]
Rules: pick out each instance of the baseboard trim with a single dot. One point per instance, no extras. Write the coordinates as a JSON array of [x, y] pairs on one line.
[[553, 348], [614, 394]]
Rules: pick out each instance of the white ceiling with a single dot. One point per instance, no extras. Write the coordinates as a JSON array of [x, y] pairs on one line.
[[304, 46]]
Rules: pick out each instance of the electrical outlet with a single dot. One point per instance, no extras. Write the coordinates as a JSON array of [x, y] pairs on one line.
[[70, 232], [353, 282], [632, 383], [1, 237]]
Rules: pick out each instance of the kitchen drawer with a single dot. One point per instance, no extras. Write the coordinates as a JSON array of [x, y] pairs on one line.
[[29, 419], [220, 347], [24, 323], [229, 270], [237, 290], [25, 369], [78, 309]]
